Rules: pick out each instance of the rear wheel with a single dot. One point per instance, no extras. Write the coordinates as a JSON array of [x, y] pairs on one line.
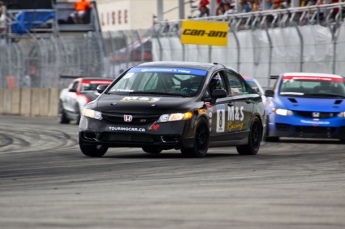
[[93, 150], [201, 141], [62, 117], [254, 139], [152, 150]]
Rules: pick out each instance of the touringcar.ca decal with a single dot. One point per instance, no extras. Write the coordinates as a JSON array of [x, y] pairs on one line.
[[131, 129], [233, 121], [140, 99]]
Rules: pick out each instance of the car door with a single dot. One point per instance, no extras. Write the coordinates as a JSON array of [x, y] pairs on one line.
[[72, 95], [218, 108], [240, 115]]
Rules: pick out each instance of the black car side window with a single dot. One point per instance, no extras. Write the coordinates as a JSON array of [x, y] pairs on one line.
[[217, 82], [237, 84]]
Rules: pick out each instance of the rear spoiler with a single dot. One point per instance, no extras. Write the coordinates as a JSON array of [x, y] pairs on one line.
[[274, 77], [69, 77]]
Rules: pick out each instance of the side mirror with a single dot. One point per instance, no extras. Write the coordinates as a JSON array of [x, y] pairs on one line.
[[219, 93], [101, 88], [269, 93], [72, 90]]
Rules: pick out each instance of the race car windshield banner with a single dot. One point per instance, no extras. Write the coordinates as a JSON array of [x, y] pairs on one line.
[[315, 78], [188, 71]]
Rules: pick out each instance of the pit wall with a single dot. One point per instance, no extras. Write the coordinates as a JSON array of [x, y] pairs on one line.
[[30, 101]]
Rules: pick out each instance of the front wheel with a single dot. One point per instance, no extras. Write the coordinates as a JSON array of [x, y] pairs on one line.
[[93, 150], [152, 150], [201, 141], [62, 116], [254, 139]]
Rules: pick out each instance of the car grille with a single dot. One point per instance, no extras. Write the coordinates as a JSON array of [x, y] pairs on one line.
[[127, 137], [315, 129], [137, 118], [308, 114]]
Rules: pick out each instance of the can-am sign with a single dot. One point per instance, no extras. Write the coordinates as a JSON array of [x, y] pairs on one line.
[[205, 33]]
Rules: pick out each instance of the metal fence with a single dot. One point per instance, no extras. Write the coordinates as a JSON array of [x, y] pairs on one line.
[[260, 44]]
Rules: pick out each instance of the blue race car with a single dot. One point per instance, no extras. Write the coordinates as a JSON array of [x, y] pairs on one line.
[[306, 105]]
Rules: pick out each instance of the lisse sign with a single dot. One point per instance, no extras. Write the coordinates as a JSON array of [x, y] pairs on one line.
[[205, 33]]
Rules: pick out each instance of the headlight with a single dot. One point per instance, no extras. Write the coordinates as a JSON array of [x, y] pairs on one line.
[[283, 112], [175, 117], [341, 115], [92, 114]]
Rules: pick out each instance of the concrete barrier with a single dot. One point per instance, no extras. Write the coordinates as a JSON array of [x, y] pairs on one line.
[[30, 102], [54, 102], [1, 101], [7, 101], [15, 101], [44, 102], [35, 101], [25, 102]]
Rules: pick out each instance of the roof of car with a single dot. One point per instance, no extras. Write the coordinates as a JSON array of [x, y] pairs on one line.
[[311, 74], [179, 64]]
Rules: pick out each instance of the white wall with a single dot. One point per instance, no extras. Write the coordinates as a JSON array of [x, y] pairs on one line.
[[134, 14]]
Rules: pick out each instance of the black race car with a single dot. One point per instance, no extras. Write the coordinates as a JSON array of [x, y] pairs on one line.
[[174, 105]]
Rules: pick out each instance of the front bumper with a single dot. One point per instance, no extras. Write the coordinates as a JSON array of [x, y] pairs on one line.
[[295, 126], [168, 135]]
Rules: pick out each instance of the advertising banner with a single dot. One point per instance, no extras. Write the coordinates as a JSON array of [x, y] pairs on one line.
[[205, 33]]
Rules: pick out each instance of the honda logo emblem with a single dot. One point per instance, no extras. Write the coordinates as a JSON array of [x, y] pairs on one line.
[[316, 114], [128, 118]]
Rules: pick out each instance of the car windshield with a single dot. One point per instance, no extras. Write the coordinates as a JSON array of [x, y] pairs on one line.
[[92, 86], [160, 81], [313, 86]]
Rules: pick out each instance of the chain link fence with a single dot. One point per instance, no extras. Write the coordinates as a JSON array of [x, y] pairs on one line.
[[260, 44]]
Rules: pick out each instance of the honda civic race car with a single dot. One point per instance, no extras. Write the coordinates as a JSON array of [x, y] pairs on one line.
[[73, 99], [174, 105], [306, 105]]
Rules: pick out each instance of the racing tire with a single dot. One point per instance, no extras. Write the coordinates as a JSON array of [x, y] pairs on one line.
[[93, 150], [62, 117], [152, 150], [77, 115], [254, 139], [201, 141]]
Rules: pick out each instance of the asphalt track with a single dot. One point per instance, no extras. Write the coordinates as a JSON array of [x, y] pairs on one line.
[[45, 182]]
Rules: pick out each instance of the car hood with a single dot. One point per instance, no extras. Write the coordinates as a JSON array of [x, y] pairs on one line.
[[143, 104], [311, 104]]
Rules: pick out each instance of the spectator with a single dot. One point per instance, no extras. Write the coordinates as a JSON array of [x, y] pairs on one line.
[[256, 5], [81, 8], [229, 9], [220, 10], [276, 4], [245, 6], [286, 4], [204, 11], [269, 4]]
